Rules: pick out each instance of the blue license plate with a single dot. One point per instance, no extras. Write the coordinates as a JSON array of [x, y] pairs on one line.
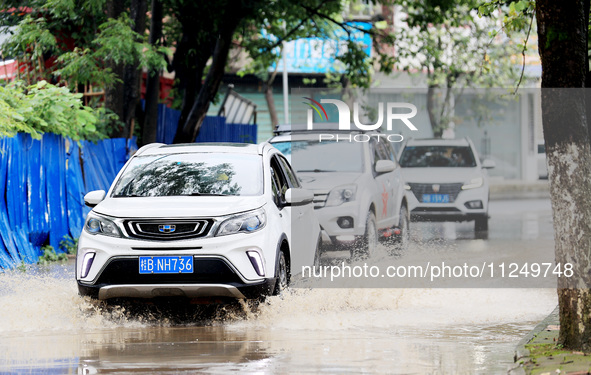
[[435, 198], [167, 264]]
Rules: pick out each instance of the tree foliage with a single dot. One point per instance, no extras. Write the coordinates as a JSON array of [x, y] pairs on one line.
[[564, 48], [456, 49], [88, 41], [46, 108], [75, 43]]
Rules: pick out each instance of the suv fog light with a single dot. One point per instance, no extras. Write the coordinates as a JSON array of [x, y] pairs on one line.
[[257, 262], [345, 222], [86, 264], [473, 204]]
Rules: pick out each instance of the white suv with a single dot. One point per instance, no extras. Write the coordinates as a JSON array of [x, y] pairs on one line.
[[358, 189], [199, 220], [445, 181]]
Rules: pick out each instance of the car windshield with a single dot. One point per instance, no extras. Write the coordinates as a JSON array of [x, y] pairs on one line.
[[437, 156], [191, 174], [325, 156]]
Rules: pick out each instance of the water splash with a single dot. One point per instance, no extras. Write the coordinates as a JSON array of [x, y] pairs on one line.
[[37, 301], [334, 309]]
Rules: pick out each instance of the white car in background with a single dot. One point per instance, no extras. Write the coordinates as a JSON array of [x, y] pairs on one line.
[[198, 220], [445, 181], [358, 190]]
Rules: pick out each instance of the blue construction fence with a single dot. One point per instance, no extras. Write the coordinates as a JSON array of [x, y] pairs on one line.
[[213, 129], [43, 183]]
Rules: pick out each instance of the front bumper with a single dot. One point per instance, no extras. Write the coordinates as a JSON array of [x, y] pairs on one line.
[[454, 211], [233, 290], [222, 267], [441, 214], [335, 234]]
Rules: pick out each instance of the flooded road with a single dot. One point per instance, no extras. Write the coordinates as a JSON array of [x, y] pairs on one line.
[[45, 328]]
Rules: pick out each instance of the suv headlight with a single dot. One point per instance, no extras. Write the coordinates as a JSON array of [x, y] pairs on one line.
[[473, 183], [340, 195], [243, 223], [96, 224]]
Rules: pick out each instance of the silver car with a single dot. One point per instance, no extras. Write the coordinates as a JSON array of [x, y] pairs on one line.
[[358, 190], [445, 181]]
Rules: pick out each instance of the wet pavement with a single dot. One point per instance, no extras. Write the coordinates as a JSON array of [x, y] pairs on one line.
[[46, 328]]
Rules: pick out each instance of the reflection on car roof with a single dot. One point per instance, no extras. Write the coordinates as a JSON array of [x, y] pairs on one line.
[[437, 142], [236, 148]]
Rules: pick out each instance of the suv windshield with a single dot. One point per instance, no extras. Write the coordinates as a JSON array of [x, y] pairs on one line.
[[326, 156], [191, 174], [437, 156]]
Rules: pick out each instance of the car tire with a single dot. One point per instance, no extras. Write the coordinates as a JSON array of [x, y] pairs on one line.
[[369, 243], [281, 274], [401, 240], [481, 224], [318, 253]]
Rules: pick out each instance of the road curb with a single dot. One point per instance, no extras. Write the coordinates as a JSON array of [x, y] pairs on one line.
[[520, 190], [521, 353]]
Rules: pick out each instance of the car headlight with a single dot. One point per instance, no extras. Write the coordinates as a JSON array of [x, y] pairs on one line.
[[244, 223], [100, 225], [340, 195], [473, 183]]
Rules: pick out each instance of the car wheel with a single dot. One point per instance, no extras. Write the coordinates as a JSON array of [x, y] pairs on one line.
[[369, 243], [402, 240], [318, 253], [481, 224], [281, 274]]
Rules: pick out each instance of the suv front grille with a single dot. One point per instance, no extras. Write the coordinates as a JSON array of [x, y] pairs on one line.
[[206, 271], [320, 199], [168, 230], [450, 189]]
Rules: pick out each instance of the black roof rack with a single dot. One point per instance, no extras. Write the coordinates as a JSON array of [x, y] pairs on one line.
[[318, 127]]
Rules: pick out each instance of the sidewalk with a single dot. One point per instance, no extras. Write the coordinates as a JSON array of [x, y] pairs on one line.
[[518, 189], [537, 353]]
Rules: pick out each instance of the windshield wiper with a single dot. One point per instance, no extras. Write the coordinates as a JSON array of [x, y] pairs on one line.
[[197, 194], [317, 170]]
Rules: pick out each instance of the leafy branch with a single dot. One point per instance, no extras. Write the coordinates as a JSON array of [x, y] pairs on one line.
[[45, 108]]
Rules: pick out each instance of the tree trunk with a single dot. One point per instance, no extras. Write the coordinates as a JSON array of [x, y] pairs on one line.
[[150, 127], [431, 110], [211, 85], [190, 59], [562, 30], [271, 104], [132, 74], [268, 89], [114, 95]]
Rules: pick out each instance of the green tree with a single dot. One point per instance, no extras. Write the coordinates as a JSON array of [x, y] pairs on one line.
[[102, 43], [219, 24], [323, 20], [84, 46], [45, 108], [563, 42], [455, 49]]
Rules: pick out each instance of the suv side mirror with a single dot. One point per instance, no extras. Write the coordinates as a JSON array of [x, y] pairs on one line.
[[298, 196], [385, 166], [94, 197], [488, 164]]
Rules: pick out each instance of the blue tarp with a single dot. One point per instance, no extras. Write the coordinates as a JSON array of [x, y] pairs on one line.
[[213, 129], [42, 187], [43, 183], [54, 160]]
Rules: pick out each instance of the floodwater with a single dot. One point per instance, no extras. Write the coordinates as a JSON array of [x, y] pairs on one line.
[[46, 328]]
